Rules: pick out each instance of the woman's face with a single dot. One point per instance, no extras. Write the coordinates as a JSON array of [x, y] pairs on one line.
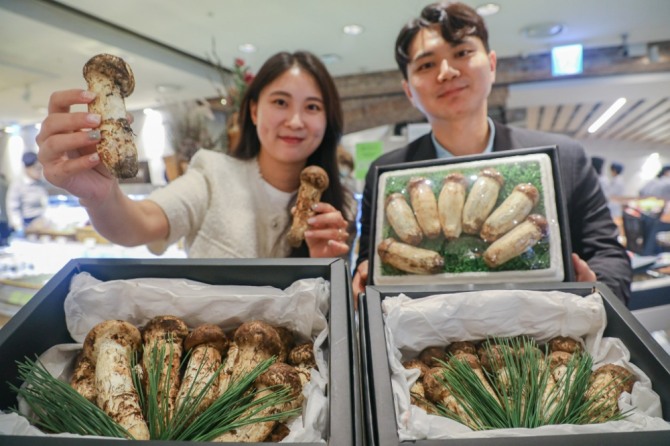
[[290, 117]]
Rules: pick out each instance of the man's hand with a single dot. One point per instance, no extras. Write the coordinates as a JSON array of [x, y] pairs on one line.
[[359, 281], [582, 271]]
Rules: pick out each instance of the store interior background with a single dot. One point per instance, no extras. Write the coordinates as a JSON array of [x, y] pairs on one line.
[[181, 53]]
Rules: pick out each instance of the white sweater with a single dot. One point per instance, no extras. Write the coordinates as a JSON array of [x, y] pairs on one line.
[[222, 209]]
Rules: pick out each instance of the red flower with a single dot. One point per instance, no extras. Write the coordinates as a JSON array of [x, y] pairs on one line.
[[248, 77], [239, 62]]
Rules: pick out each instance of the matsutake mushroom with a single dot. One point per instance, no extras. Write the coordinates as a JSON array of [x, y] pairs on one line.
[[431, 356], [278, 374], [206, 344], [437, 393], [606, 384], [109, 346], [417, 393], [112, 80], [163, 347], [83, 378], [313, 182], [255, 341], [302, 358]]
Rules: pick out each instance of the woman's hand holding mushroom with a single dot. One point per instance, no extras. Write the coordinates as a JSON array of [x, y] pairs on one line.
[[327, 235], [67, 142]]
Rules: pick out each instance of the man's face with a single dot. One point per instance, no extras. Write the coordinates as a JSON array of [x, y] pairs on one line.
[[448, 82]]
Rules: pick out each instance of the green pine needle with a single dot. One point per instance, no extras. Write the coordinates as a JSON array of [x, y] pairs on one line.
[[58, 407], [527, 396]]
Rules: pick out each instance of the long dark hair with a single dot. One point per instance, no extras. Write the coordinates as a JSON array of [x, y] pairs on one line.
[[325, 156]]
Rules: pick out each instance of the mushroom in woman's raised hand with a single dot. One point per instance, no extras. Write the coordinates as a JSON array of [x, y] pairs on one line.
[[112, 80]]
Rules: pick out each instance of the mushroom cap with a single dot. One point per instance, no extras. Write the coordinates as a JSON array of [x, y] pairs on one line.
[[394, 196], [112, 67], [281, 374], [430, 355], [455, 177], [287, 340], [416, 364], [302, 355], [539, 221], [620, 376], [164, 327], [564, 344], [462, 347], [470, 359], [315, 176], [417, 181], [121, 332], [432, 385], [528, 190], [493, 357], [493, 174], [558, 358], [210, 334], [258, 335]]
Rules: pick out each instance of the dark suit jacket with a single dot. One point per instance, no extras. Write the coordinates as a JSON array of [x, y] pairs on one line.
[[592, 231]]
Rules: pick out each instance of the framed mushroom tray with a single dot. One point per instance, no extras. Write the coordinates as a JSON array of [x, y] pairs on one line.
[[491, 218]]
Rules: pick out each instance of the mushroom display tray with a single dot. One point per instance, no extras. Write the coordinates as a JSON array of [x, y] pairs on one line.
[[40, 324], [379, 408]]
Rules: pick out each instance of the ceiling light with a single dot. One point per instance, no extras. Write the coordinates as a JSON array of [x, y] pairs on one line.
[[330, 58], [247, 48], [352, 30], [542, 30], [488, 9], [607, 115]]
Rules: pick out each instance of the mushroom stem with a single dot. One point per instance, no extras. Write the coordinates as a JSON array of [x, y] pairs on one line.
[[206, 344], [278, 374], [109, 345], [163, 347]]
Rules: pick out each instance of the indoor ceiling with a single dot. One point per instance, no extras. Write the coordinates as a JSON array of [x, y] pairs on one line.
[[169, 44]]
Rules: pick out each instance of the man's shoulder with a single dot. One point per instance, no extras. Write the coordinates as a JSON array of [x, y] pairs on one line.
[[523, 138], [418, 150]]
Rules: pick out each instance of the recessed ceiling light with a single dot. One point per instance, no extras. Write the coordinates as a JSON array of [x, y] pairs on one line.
[[247, 48], [330, 58], [352, 30], [542, 30], [488, 9]]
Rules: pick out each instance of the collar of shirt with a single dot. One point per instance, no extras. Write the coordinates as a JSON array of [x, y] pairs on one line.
[[443, 153]]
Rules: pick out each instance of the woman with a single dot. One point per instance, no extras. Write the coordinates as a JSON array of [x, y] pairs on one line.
[[223, 206]]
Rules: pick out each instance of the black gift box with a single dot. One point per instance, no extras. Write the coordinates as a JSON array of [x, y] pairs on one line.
[[40, 324], [379, 411], [540, 164]]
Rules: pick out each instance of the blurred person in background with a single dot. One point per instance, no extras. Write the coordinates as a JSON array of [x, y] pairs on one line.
[[658, 187], [614, 190], [5, 231], [27, 198]]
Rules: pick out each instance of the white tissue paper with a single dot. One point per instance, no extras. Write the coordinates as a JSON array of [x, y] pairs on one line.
[[302, 307], [414, 324]]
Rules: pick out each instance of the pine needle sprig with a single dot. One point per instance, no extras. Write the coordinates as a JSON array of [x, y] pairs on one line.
[[527, 394], [58, 408], [236, 407]]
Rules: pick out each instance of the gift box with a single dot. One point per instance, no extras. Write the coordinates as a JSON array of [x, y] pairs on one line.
[[42, 324], [397, 322], [492, 218]]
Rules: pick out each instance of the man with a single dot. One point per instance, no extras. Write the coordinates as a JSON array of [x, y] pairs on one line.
[[449, 70], [27, 197]]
